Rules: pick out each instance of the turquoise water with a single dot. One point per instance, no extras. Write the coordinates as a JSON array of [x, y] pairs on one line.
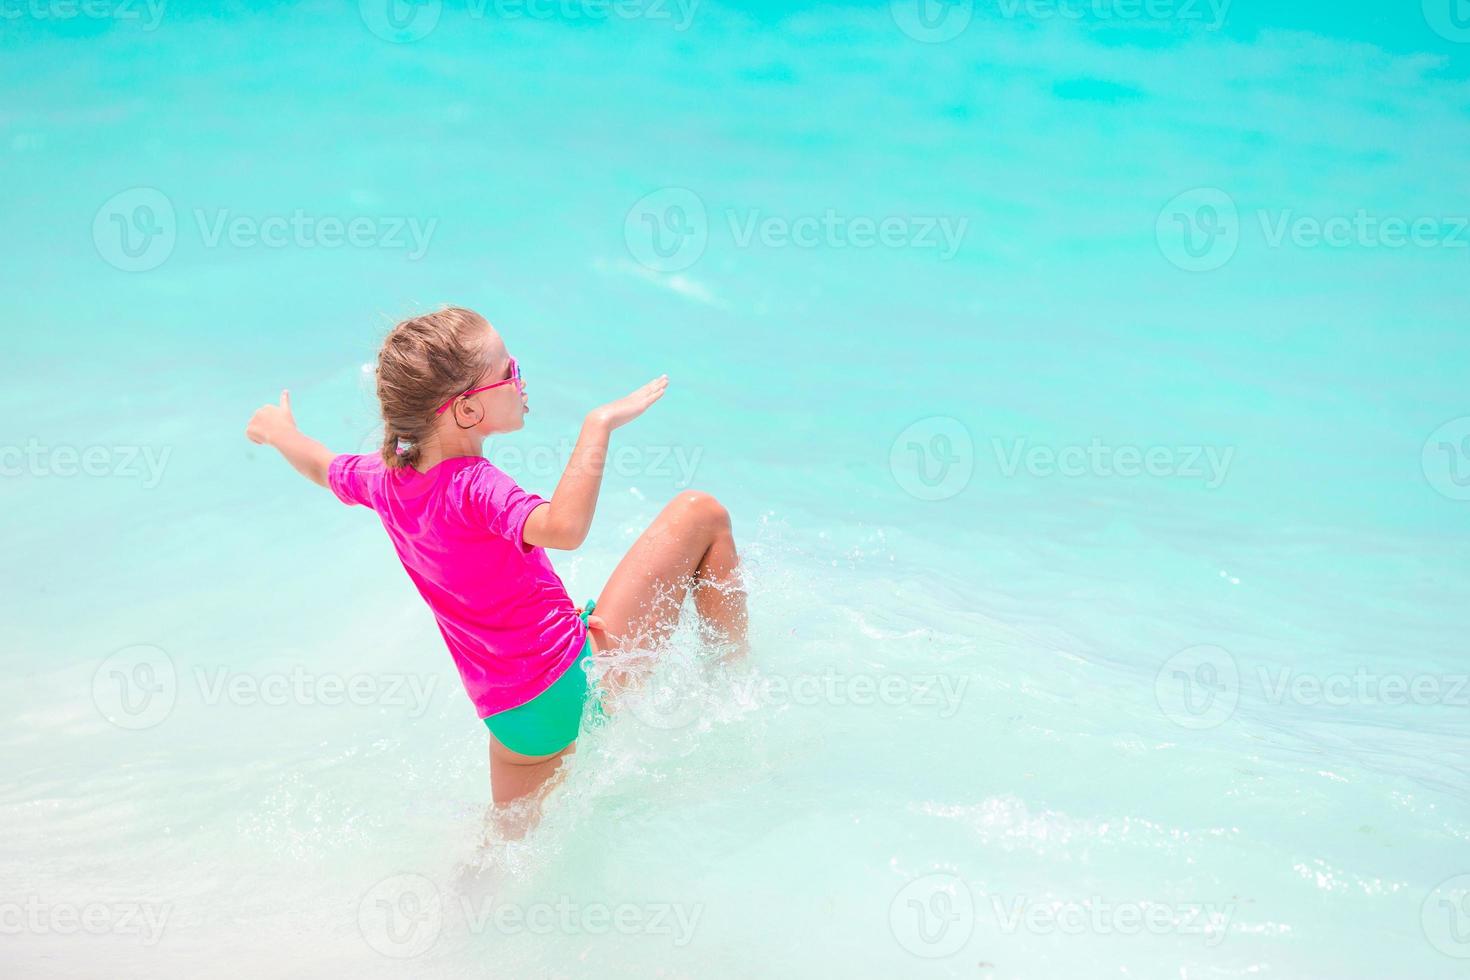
[[1100, 461]]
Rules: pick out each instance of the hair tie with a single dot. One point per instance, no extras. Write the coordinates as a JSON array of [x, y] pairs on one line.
[[404, 445]]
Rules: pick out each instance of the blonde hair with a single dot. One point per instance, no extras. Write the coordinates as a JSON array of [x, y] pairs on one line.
[[424, 362]]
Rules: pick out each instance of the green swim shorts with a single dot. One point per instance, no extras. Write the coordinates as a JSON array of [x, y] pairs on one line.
[[549, 722]]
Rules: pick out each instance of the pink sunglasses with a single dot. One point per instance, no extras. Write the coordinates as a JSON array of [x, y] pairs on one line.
[[515, 378]]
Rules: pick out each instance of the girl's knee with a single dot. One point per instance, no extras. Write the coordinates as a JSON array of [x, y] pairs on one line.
[[703, 509]]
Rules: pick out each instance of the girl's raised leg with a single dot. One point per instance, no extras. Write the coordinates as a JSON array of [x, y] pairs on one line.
[[688, 547]]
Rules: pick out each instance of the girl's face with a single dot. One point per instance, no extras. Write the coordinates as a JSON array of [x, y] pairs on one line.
[[501, 409]]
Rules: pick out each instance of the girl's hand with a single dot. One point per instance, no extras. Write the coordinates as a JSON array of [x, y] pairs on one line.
[[596, 626], [271, 421], [594, 621], [628, 408], [564, 520]]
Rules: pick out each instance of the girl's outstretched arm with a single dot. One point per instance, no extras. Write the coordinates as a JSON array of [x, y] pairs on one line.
[[564, 521], [273, 425]]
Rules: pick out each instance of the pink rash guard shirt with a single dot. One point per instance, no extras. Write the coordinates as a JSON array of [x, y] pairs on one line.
[[504, 613]]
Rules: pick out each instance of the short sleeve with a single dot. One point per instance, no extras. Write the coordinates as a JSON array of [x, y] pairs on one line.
[[347, 475], [494, 501]]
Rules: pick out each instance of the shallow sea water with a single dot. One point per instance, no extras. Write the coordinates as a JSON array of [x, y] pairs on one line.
[[998, 722]]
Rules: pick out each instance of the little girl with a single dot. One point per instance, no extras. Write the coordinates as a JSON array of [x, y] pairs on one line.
[[473, 541]]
